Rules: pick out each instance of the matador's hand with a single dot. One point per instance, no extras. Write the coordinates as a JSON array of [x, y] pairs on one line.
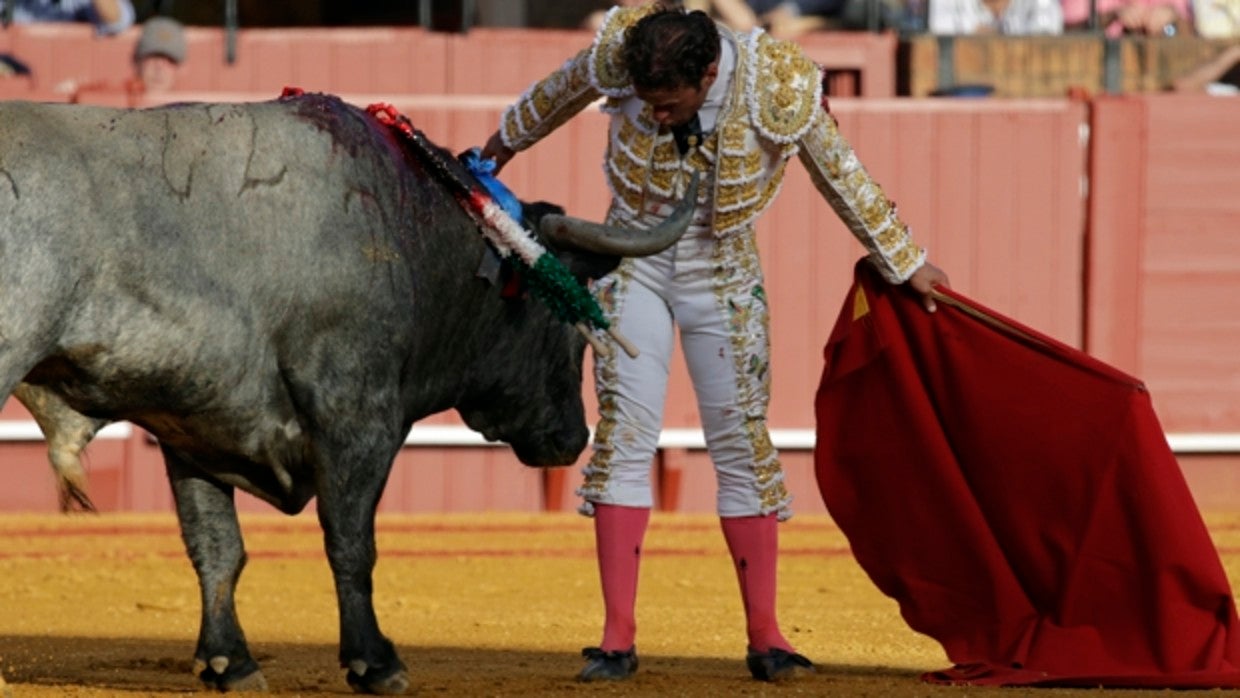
[[923, 282], [497, 151]]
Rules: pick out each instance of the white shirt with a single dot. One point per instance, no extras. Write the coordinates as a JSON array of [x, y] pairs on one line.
[[1021, 17], [708, 114]]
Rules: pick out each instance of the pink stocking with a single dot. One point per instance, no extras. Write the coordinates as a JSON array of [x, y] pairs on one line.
[[754, 542], [618, 534]]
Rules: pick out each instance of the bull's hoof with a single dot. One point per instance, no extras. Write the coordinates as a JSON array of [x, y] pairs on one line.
[[223, 675], [393, 681]]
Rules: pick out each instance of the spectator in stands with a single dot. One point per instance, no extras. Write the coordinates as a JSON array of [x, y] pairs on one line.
[[1218, 76], [12, 66], [109, 17], [594, 20], [1133, 17], [792, 19], [737, 14], [1008, 17], [157, 58], [788, 19], [1217, 19], [159, 53], [783, 19]]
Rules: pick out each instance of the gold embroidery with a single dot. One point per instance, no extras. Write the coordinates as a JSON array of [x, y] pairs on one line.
[[702, 159], [766, 473], [630, 199], [787, 89], [542, 100], [892, 237], [739, 293], [548, 103], [740, 168], [764, 450], [907, 259], [662, 181], [733, 137], [597, 472], [859, 201], [875, 209], [739, 206], [774, 498], [608, 74], [605, 430]]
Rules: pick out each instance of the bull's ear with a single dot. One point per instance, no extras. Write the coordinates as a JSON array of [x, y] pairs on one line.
[[583, 264], [588, 265], [533, 212]]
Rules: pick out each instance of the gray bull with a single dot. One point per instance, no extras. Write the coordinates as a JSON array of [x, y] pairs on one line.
[[277, 291]]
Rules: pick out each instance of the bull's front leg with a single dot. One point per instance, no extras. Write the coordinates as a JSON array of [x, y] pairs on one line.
[[212, 536], [349, 487]]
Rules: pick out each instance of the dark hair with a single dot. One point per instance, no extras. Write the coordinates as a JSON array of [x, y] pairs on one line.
[[670, 48]]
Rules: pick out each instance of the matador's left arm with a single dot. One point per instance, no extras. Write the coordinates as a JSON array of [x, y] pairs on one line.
[[858, 200], [787, 109]]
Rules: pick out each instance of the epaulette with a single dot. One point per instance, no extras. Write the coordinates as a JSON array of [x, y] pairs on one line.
[[607, 72], [784, 88]]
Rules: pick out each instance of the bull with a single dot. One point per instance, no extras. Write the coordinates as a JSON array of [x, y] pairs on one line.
[[276, 291]]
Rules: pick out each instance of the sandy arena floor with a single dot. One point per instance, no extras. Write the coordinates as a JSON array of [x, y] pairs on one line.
[[478, 605]]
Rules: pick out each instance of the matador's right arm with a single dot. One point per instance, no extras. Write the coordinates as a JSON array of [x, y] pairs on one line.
[[548, 103], [595, 72]]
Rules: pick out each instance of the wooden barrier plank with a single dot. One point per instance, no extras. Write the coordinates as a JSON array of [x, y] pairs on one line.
[[1115, 244]]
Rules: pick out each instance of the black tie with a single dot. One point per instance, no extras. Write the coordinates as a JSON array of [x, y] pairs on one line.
[[688, 135]]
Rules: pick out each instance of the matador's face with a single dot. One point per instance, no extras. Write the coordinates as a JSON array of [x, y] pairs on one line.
[[675, 106]]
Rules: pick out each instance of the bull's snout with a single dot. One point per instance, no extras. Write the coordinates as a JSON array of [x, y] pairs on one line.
[[560, 447]]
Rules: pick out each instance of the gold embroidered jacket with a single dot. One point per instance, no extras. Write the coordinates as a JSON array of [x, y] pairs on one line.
[[772, 114]]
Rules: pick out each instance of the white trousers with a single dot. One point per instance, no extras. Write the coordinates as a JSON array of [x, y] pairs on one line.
[[711, 290]]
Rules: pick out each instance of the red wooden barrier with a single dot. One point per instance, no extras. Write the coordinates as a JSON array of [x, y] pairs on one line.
[[1165, 255]]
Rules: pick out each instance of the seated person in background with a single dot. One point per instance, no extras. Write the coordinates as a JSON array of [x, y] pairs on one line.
[[594, 20], [735, 13], [1217, 19], [788, 19], [1132, 17], [109, 17], [1007, 17], [160, 51], [1218, 76], [784, 19], [12, 66], [157, 58]]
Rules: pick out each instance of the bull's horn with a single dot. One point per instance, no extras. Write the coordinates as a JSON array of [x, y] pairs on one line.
[[569, 232]]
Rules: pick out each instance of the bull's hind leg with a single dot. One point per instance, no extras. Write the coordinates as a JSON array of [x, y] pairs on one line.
[[212, 535], [351, 479]]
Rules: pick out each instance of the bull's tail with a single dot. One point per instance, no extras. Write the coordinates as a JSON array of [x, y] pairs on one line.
[[70, 476], [67, 433]]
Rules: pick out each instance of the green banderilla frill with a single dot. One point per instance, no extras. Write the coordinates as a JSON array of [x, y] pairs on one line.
[[555, 286]]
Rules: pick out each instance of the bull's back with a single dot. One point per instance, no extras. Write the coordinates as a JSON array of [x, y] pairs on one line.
[[239, 193], [184, 259]]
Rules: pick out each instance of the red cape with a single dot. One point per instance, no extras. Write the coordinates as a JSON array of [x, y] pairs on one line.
[[1018, 498]]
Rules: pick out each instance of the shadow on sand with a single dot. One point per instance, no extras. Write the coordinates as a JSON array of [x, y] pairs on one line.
[[164, 667]]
